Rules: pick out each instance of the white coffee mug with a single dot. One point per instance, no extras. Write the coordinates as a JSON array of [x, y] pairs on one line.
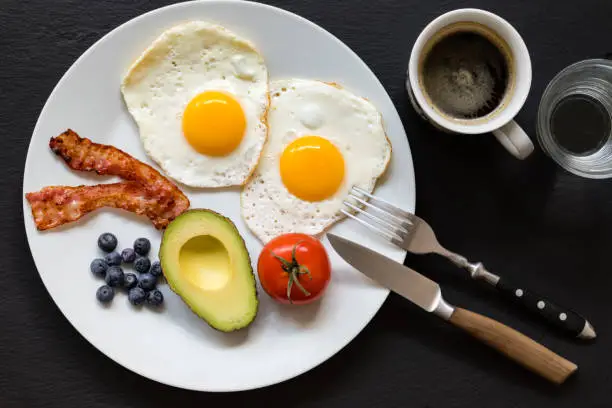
[[501, 123]]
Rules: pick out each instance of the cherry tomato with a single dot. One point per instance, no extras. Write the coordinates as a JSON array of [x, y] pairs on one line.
[[294, 268]]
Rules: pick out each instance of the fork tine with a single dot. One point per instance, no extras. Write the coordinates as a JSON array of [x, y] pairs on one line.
[[389, 207], [400, 232], [388, 236], [404, 223]]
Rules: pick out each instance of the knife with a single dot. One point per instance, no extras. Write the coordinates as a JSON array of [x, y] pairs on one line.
[[427, 294]]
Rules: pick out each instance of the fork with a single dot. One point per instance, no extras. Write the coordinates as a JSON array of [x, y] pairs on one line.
[[413, 234]]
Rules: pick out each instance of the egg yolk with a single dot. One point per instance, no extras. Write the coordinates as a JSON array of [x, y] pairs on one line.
[[312, 168], [214, 123]]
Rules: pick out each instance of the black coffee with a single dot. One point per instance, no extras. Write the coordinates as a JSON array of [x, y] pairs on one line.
[[465, 75], [580, 124]]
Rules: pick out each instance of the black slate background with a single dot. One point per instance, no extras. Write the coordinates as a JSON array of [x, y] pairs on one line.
[[529, 220]]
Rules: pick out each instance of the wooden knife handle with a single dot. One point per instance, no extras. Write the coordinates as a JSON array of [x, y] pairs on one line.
[[515, 345]]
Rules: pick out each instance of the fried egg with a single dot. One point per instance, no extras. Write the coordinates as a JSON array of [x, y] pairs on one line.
[[322, 141], [199, 95]]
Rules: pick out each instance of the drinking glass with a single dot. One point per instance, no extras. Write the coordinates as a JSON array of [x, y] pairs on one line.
[[574, 123]]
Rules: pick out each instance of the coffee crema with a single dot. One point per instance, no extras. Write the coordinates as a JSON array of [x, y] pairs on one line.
[[466, 72]]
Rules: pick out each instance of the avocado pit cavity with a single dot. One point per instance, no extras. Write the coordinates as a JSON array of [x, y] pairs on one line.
[[205, 262]]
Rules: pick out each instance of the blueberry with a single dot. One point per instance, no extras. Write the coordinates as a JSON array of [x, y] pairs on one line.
[[113, 258], [147, 281], [142, 246], [105, 293], [107, 242], [137, 296], [155, 298], [142, 265], [156, 269], [128, 255], [98, 267], [114, 276], [130, 280]]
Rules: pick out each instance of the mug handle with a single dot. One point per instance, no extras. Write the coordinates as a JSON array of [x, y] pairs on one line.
[[514, 139]]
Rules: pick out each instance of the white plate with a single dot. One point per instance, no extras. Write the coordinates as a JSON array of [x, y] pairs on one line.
[[173, 346]]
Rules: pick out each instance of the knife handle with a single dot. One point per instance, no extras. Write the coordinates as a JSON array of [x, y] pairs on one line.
[[517, 346], [564, 319]]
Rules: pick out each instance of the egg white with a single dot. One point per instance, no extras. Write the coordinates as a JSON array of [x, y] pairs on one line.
[[301, 107], [182, 62]]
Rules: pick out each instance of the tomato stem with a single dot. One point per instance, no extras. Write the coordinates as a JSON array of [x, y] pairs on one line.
[[294, 270], [296, 279]]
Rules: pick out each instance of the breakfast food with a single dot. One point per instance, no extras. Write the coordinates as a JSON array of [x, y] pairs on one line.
[[82, 154], [113, 258], [137, 296], [146, 192], [114, 276], [147, 281], [294, 268], [130, 280], [98, 267], [142, 264], [140, 288], [142, 246], [105, 294], [322, 141], [107, 242], [206, 262], [199, 95], [156, 269], [57, 205], [128, 255], [155, 298]]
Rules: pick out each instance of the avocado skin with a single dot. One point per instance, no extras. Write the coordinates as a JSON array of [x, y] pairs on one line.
[[251, 275]]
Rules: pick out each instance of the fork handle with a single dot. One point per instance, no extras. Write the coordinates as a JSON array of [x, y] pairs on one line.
[[563, 318]]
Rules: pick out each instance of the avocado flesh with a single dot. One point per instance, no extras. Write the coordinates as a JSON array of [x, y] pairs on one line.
[[206, 263]]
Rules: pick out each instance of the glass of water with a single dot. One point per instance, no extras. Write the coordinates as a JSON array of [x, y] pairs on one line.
[[574, 124]]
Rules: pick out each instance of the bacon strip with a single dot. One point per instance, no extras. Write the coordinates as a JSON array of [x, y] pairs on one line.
[[56, 205], [84, 155], [146, 192]]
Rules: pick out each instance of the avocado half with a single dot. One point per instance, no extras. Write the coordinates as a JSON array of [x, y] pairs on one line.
[[205, 261]]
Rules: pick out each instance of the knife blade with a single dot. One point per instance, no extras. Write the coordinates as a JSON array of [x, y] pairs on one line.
[[427, 294], [408, 283]]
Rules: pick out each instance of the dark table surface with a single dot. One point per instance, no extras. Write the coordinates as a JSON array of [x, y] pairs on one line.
[[529, 220]]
